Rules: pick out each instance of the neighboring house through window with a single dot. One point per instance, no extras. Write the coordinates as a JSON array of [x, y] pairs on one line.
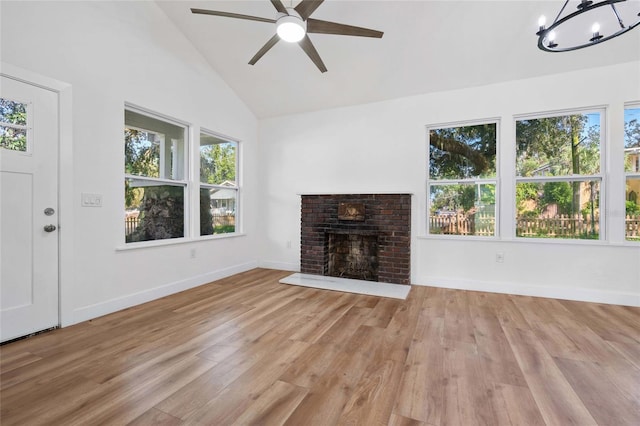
[[218, 184], [559, 175], [632, 171]]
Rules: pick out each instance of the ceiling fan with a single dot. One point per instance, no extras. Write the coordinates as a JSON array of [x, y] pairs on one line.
[[293, 24]]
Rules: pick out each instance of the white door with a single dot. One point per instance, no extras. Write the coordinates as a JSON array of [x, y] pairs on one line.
[[28, 209]]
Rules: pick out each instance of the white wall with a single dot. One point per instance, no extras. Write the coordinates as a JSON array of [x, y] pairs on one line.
[[112, 53], [382, 147]]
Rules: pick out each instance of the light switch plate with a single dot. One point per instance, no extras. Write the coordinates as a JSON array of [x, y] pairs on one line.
[[91, 200]]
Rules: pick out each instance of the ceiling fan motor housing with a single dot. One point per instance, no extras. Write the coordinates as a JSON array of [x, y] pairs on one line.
[[290, 27]]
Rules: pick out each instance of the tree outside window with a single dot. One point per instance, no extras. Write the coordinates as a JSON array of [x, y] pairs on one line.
[[13, 125], [559, 178], [462, 180], [218, 184], [155, 184]]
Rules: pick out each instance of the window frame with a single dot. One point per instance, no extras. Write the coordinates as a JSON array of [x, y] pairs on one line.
[[627, 175], [184, 182], [236, 187], [27, 127], [600, 176], [463, 181]]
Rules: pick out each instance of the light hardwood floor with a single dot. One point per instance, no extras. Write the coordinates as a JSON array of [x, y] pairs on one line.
[[248, 350]]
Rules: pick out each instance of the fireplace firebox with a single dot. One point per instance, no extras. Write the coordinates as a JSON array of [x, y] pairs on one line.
[[361, 236]]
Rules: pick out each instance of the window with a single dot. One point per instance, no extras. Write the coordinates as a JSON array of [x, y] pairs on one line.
[[558, 176], [13, 125], [632, 172], [462, 180], [218, 184], [155, 177]]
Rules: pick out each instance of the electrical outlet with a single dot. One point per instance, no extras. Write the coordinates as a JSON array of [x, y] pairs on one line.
[[500, 257], [289, 244], [192, 253]]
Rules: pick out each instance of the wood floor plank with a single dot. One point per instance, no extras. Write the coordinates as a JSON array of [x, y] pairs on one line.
[[397, 420], [327, 398], [589, 381], [274, 406], [515, 406], [556, 399], [421, 391], [248, 350], [236, 398], [153, 417]]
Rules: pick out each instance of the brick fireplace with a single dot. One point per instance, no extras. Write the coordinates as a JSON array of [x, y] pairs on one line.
[[361, 236]]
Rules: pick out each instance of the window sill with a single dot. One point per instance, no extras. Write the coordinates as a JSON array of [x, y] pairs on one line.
[[176, 241]]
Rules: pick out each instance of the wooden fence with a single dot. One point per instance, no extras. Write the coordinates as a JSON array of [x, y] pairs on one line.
[[560, 226], [632, 227], [483, 224], [131, 222]]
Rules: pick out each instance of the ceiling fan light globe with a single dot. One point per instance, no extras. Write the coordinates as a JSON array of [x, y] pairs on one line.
[[291, 28]]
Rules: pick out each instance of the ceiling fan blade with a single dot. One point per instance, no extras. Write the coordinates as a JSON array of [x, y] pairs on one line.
[[272, 41], [306, 7], [324, 27], [312, 53], [279, 6], [232, 15]]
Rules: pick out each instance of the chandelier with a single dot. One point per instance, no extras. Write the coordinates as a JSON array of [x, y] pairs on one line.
[[593, 22]]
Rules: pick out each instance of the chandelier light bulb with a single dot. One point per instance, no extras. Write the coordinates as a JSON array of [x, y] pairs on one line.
[[542, 21], [595, 29], [551, 38]]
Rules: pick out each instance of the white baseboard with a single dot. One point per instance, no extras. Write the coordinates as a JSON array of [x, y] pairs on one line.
[[283, 266], [103, 308], [555, 292]]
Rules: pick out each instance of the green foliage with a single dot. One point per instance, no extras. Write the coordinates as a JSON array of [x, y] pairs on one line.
[[632, 134], [224, 229], [141, 158], [487, 194], [15, 113], [529, 214], [525, 192], [463, 152], [559, 193], [217, 163], [467, 197], [557, 146], [632, 209], [631, 140]]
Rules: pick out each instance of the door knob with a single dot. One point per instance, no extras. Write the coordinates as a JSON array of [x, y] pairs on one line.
[[49, 228]]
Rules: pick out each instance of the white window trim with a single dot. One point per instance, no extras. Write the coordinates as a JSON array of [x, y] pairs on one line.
[[185, 181], [627, 175], [602, 236], [236, 187], [495, 180]]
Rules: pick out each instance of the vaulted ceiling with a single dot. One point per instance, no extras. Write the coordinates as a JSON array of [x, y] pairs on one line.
[[428, 46]]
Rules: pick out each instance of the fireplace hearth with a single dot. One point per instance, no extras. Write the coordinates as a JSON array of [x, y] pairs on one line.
[[361, 236]]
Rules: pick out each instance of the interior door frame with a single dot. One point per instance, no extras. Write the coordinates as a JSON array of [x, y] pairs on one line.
[[65, 181]]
